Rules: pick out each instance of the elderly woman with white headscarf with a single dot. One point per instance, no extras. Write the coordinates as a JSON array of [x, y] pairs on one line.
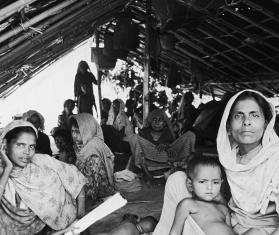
[[248, 149]]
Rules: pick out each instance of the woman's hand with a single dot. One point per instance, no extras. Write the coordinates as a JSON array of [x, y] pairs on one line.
[[172, 155], [7, 164], [71, 230], [161, 147]]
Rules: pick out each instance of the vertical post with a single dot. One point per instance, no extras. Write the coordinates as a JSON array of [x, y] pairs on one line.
[[98, 72], [146, 62]]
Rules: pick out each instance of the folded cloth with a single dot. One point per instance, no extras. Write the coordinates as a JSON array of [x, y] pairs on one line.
[[124, 175], [191, 227]]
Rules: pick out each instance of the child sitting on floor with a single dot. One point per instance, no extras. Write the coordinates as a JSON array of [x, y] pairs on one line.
[[203, 213]]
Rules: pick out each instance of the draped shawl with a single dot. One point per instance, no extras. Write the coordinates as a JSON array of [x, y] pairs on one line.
[[254, 184], [46, 186], [93, 142]]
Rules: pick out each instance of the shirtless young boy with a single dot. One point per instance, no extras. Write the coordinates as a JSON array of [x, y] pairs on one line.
[[204, 182]]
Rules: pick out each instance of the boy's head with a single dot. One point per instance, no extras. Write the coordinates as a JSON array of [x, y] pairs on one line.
[[204, 178]]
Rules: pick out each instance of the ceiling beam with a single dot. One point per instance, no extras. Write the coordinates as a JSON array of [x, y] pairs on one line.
[[219, 40], [265, 29]]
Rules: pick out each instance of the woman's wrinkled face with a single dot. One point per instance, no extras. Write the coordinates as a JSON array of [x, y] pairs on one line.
[[158, 123], [76, 135], [247, 124], [22, 149]]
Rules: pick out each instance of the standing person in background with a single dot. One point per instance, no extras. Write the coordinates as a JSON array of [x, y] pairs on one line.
[[83, 89], [43, 142]]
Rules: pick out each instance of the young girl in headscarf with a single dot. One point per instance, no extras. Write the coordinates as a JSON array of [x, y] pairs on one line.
[[94, 158], [35, 189]]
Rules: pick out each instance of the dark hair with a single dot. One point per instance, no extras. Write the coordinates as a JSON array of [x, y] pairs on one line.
[[14, 133], [202, 161], [65, 134], [264, 105], [82, 65], [189, 97], [73, 122], [68, 102], [106, 103]]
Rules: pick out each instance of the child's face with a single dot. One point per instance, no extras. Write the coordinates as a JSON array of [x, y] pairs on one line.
[[207, 182]]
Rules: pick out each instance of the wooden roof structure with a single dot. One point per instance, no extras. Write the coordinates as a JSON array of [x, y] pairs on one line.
[[219, 45]]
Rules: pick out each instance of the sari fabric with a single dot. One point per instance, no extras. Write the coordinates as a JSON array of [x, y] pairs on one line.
[[255, 184], [46, 189], [94, 159], [145, 151]]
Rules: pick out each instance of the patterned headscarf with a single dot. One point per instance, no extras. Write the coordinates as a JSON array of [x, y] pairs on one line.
[[93, 142]]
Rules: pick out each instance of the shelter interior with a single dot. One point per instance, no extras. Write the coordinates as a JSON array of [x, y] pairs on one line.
[[208, 46]]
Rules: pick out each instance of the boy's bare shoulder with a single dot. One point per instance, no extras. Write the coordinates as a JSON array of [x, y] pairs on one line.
[[188, 204], [223, 208]]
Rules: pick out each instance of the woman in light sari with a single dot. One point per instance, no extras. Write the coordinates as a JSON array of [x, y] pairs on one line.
[[248, 149], [94, 158], [118, 118], [35, 189]]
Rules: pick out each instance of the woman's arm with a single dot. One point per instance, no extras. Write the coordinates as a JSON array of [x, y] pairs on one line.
[[81, 204], [7, 168], [181, 214]]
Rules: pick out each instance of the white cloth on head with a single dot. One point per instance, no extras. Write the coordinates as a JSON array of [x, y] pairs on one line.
[[120, 120], [255, 184]]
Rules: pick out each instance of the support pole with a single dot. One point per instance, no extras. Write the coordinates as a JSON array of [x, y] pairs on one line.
[[98, 72], [146, 63]]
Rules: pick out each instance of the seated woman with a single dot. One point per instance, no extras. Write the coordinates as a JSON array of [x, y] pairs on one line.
[[116, 133], [94, 158], [64, 143], [248, 149], [35, 189], [156, 147], [43, 142]]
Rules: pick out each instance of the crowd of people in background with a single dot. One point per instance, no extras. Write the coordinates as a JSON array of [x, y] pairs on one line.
[[41, 191]]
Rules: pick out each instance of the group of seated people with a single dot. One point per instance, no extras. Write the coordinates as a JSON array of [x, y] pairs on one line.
[[40, 194]]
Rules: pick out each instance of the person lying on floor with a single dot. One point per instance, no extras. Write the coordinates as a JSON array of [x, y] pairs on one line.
[[155, 147], [204, 207]]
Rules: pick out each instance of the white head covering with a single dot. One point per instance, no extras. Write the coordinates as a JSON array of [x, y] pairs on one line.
[[226, 149], [14, 124], [253, 184]]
